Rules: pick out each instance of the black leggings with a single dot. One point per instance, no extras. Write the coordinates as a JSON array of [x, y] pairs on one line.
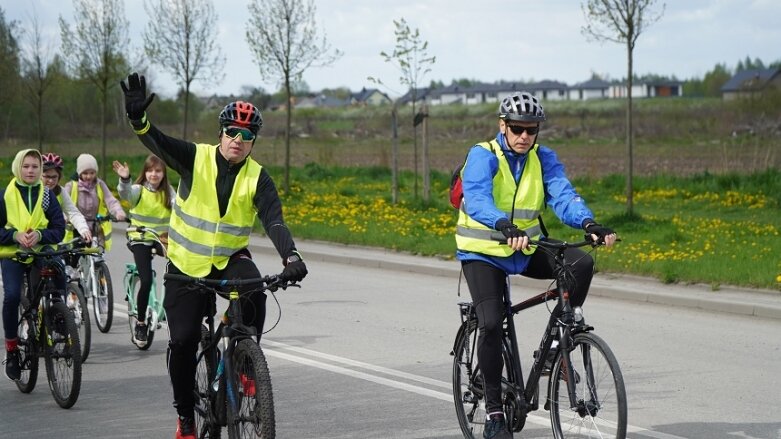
[[487, 284], [142, 254], [185, 310]]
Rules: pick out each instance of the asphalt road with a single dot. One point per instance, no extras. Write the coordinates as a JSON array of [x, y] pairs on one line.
[[363, 352]]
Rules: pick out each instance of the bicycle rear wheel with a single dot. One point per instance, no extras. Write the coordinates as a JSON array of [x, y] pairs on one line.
[[103, 299], [600, 408], [255, 416], [206, 423], [62, 355], [77, 303], [468, 389], [28, 357]]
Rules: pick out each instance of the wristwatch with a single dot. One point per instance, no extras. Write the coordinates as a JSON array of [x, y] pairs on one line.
[[295, 257]]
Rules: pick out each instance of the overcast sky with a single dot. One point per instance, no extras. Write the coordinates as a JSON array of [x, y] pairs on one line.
[[485, 40]]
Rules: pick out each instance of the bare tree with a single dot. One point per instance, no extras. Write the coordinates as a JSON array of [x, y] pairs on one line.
[[94, 50], [179, 36], [621, 21], [36, 76], [9, 67], [411, 57], [283, 36]]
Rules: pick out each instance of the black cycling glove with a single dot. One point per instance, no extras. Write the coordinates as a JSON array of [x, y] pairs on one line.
[[508, 229], [136, 100], [295, 268], [601, 231]]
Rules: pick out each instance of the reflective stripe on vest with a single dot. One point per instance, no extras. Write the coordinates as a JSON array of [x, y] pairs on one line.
[[528, 201], [102, 211], [198, 238], [150, 212], [19, 218]]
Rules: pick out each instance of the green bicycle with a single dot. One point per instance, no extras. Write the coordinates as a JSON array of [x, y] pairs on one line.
[[155, 313]]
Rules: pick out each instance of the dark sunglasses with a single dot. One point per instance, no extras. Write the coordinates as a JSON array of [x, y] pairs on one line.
[[234, 133], [518, 130]]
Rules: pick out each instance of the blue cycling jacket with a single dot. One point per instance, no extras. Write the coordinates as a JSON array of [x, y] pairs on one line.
[[560, 195]]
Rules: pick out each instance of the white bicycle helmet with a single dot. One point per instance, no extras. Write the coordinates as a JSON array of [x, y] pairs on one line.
[[521, 106]]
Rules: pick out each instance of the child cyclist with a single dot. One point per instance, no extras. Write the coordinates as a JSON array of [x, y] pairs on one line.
[[51, 177], [150, 201], [93, 197], [30, 216]]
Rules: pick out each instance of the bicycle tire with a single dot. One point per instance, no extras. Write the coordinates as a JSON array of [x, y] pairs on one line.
[[206, 424], [103, 299], [77, 303], [468, 393], [150, 333], [62, 355], [28, 355], [596, 371], [255, 417]]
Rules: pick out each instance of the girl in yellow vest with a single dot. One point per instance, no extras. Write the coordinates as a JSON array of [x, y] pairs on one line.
[[150, 201], [52, 174], [92, 196], [30, 216]]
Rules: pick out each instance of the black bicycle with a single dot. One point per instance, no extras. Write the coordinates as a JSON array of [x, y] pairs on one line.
[[586, 397], [47, 328], [232, 384]]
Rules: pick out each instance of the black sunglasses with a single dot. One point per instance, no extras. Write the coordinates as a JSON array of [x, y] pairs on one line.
[[518, 130]]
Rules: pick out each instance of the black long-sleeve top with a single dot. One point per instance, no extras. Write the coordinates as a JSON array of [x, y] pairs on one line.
[[179, 155], [53, 233]]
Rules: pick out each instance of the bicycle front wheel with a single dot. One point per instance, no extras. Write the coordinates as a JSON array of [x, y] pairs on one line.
[[103, 299], [206, 423], [468, 388], [28, 356], [63, 355], [599, 409], [252, 386], [77, 303]]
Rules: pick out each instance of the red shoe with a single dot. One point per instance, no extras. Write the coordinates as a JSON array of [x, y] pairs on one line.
[[185, 428], [248, 384]]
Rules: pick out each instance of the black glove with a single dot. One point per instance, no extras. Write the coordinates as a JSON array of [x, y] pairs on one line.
[[508, 229], [601, 231], [136, 99], [295, 269]]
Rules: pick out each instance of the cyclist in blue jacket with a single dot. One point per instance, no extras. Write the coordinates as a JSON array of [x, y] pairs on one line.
[[507, 182]]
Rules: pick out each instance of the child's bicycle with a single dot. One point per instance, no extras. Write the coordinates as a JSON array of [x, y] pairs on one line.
[[232, 384], [47, 328], [94, 280], [154, 311], [585, 394]]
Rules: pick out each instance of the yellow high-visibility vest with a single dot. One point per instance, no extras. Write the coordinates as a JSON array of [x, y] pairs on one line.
[[150, 212], [21, 219], [529, 200], [102, 211], [198, 238]]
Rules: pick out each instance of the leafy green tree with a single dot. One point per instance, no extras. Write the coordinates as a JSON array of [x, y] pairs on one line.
[[37, 77], [413, 61], [621, 22], [284, 38], [9, 67], [94, 50], [179, 37]]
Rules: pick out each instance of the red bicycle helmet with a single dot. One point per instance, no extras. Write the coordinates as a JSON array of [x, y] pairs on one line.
[[243, 114], [52, 161]]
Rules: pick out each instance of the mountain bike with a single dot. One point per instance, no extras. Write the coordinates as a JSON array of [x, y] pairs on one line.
[[95, 280], [47, 328], [585, 395], [154, 311], [232, 384]]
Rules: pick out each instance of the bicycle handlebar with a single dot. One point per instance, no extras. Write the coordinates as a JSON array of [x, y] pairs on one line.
[[48, 251], [271, 282]]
